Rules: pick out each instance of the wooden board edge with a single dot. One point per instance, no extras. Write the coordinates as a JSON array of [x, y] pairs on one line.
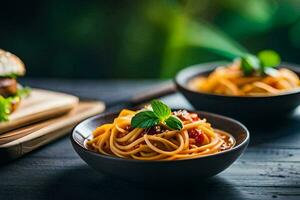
[[40, 116], [19, 147]]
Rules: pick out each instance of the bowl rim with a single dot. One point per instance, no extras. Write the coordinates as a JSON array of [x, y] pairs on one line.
[[209, 66], [245, 142]]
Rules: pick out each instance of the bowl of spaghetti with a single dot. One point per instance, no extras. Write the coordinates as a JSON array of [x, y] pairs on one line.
[[146, 147], [223, 88]]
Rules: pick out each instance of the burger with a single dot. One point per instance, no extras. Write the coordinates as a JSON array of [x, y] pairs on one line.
[[11, 92]]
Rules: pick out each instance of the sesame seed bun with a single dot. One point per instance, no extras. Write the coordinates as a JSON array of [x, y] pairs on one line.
[[10, 64]]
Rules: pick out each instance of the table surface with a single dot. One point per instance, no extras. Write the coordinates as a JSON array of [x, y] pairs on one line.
[[269, 169]]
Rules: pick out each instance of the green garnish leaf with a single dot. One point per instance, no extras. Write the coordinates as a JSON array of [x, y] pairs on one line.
[[144, 119], [161, 110], [174, 123], [261, 63], [249, 63], [25, 91], [5, 107], [5, 103], [269, 58], [160, 114], [9, 76]]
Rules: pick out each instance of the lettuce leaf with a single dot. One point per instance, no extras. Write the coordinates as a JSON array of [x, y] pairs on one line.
[[5, 103], [5, 106], [23, 92]]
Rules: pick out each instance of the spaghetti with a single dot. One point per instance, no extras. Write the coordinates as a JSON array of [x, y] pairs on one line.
[[230, 80], [197, 138]]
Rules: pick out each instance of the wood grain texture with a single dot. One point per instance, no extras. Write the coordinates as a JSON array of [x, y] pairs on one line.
[[269, 169], [18, 142], [38, 106]]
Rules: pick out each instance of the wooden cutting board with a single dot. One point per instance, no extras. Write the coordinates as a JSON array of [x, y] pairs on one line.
[[38, 106], [16, 143]]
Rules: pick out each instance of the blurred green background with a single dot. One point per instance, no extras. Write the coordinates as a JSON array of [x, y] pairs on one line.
[[143, 39]]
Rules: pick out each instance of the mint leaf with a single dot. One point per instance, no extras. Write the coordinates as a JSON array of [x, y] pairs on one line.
[[269, 58], [144, 119], [161, 110], [261, 63], [246, 67], [161, 114], [174, 123], [249, 63]]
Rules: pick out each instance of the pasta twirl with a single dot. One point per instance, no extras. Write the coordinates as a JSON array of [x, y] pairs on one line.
[[230, 80], [197, 138]]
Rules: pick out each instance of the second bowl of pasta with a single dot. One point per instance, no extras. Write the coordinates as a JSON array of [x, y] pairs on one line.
[[221, 87]]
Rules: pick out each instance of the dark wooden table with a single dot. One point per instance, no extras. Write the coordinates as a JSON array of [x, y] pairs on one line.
[[269, 169]]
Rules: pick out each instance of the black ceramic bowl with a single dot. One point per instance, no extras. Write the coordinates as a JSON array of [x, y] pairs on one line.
[[150, 172], [239, 107]]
